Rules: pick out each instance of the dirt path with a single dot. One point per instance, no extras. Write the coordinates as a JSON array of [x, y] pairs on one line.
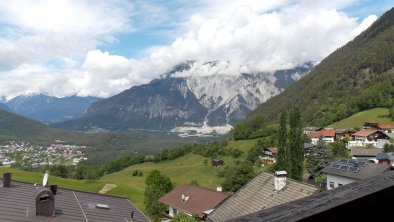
[[107, 187]]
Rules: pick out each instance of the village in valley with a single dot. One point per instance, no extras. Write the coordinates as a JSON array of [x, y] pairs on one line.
[[28, 155]]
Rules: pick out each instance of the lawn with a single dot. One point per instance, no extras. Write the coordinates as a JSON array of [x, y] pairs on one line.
[[182, 170], [378, 115], [34, 177]]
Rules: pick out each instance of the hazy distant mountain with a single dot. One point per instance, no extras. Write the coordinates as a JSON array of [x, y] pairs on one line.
[[4, 107], [169, 102], [50, 109]]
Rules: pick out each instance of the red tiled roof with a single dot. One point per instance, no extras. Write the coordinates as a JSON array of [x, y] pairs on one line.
[[323, 133], [364, 132], [386, 126], [273, 150], [200, 199]]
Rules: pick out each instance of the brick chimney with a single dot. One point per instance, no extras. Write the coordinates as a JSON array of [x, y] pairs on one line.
[[280, 180], [7, 179]]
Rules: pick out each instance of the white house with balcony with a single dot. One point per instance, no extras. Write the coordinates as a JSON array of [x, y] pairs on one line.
[[369, 137]]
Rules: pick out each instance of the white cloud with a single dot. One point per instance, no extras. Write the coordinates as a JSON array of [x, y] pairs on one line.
[[51, 46], [364, 24], [40, 31]]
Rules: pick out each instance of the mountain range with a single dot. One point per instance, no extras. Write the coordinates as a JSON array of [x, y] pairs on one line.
[[181, 104], [49, 109]]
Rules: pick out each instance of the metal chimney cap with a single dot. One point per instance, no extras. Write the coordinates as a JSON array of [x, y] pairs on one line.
[[281, 173]]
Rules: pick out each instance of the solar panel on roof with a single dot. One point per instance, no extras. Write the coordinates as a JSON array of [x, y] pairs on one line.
[[343, 161], [353, 169], [362, 163], [336, 166], [345, 168], [352, 161]]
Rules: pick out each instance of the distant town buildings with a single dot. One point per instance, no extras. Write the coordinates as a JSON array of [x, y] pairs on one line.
[[35, 156]]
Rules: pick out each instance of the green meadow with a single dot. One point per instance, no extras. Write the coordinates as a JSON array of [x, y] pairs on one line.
[[183, 170], [378, 115]]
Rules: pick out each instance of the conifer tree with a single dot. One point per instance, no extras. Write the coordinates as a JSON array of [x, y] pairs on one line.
[[282, 159], [319, 157], [296, 148]]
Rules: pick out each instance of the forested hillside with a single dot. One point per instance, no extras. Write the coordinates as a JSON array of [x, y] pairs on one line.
[[356, 77]]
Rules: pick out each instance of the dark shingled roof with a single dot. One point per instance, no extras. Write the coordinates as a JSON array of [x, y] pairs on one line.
[[259, 194], [17, 203], [366, 152], [199, 199], [356, 201], [370, 170], [385, 156]]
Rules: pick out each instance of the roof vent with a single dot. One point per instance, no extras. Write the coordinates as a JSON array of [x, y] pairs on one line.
[[7, 179], [45, 203], [219, 189], [280, 180], [185, 197], [102, 206]]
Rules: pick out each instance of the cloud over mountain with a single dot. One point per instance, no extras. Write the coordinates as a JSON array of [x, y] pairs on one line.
[[56, 47]]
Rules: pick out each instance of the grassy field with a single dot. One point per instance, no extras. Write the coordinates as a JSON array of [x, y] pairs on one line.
[[182, 170], [34, 177], [378, 115]]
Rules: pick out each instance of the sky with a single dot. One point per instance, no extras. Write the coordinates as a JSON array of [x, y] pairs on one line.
[[100, 48]]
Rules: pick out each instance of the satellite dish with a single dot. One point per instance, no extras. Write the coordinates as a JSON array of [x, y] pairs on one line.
[[45, 179]]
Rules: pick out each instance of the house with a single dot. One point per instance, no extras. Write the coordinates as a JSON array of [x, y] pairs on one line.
[[217, 162], [370, 125], [308, 148], [192, 200], [264, 191], [386, 128], [369, 137], [310, 129], [347, 171], [364, 153], [357, 201], [381, 127], [269, 155], [386, 158], [342, 133], [328, 135], [22, 201]]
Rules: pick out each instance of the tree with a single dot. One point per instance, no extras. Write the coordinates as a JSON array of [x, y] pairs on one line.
[[182, 217], [235, 153], [319, 157], [156, 186], [59, 171], [237, 175], [254, 153], [91, 175], [338, 150], [296, 148], [282, 159], [388, 148]]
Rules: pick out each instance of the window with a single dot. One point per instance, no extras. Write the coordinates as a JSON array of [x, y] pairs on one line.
[[331, 184], [339, 184]]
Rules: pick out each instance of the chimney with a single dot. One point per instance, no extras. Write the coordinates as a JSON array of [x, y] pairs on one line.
[[45, 203], [7, 179], [219, 189], [280, 180]]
